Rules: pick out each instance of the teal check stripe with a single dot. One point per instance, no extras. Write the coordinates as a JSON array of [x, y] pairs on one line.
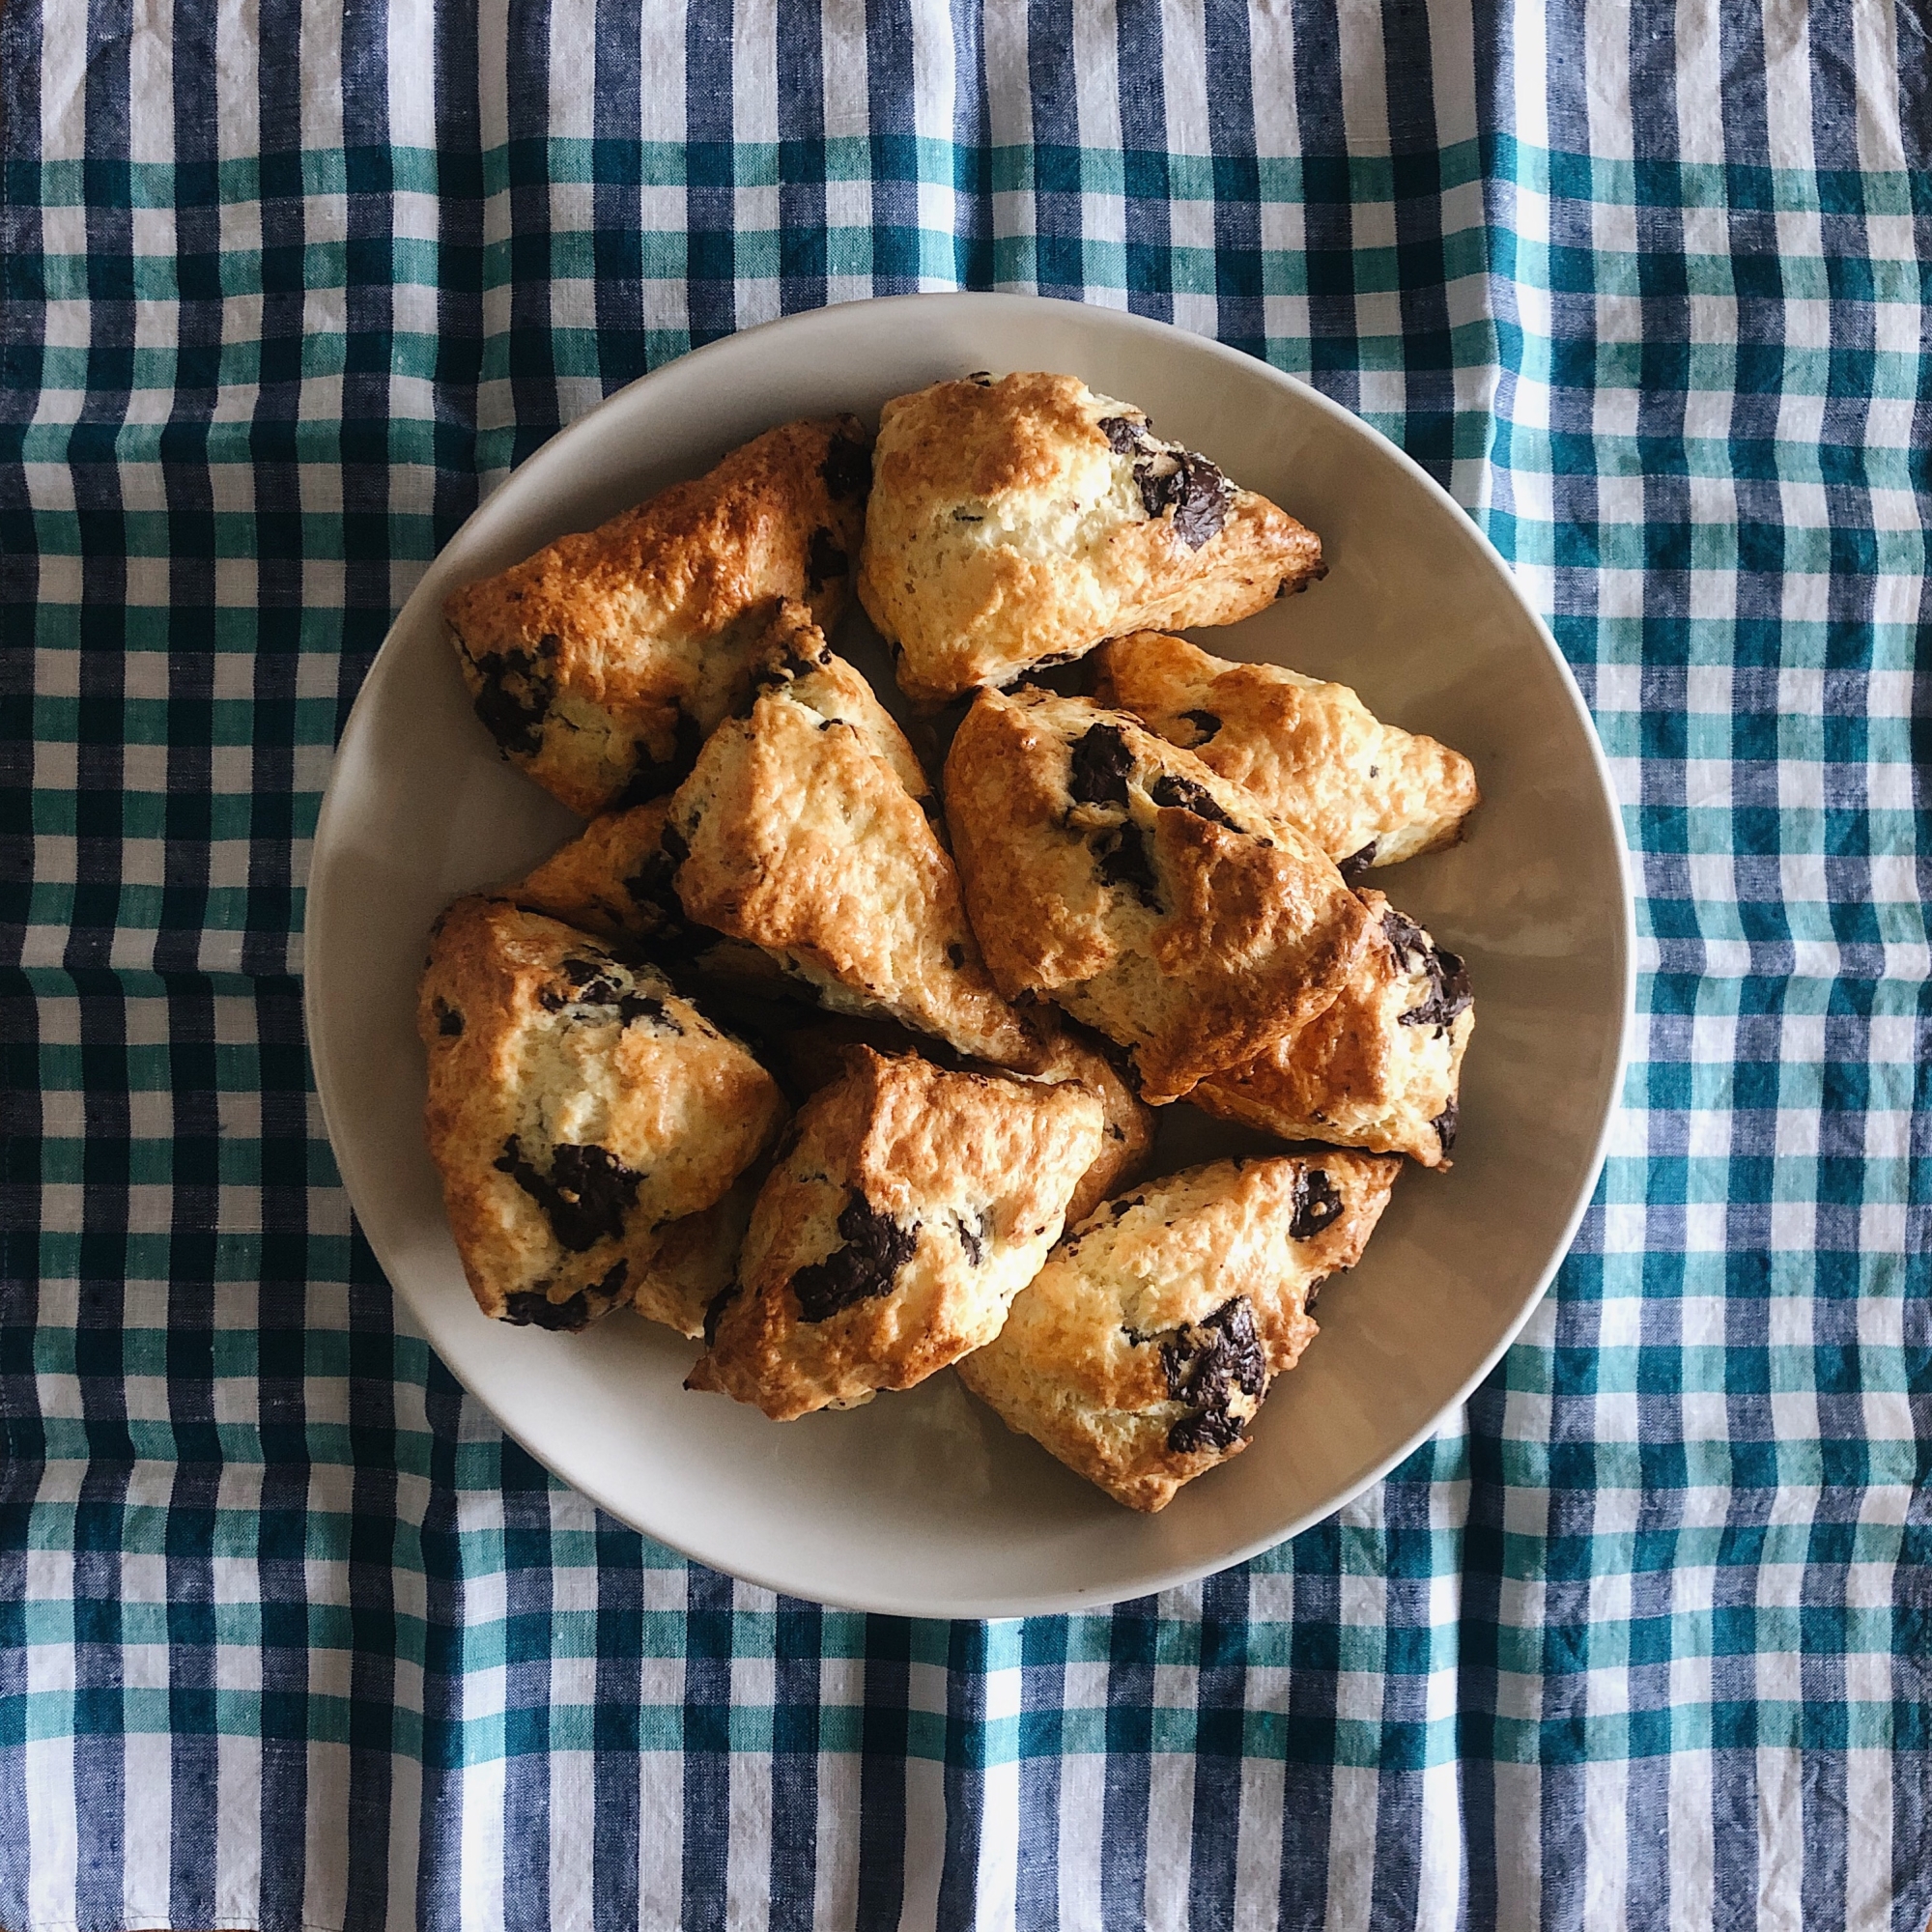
[[291, 1636]]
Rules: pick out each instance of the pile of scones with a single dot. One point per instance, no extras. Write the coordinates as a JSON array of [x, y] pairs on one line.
[[852, 1076]]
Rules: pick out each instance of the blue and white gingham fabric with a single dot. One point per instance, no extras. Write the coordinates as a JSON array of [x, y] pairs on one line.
[[290, 1636]]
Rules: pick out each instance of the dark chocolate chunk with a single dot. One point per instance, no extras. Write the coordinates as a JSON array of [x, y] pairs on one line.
[[957, 956], [1124, 861], [966, 517], [847, 469], [585, 1195], [1204, 722], [1196, 491], [982, 376], [825, 560], [651, 777], [1317, 1203], [1448, 992], [875, 1248], [516, 696], [448, 1021], [1357, 863], [1205, 1363], [641, 1007], [1123, 435], [529, 1309], [1101, 765], [1445, 1124], [974, 1235], [1170, 790], [1405, 937]]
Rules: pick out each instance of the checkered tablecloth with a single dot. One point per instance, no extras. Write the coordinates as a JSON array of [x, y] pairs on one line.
[[290, 1636]]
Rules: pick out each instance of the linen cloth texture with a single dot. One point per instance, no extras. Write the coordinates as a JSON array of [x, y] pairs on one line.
[[291, 1636]]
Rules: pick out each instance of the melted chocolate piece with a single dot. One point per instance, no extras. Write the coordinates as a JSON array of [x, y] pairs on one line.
[[847, 469], [1124, 861], [641, 1007], [1449, 993], [1101, 764], [982, 376], [529, 1309], [448, 1021], [966, 517], [875, 1248], [973, 1237], [1204, 722], [1123, 436], [956, 957], [651, 777], [1205, 1363], [1356, 864], [1403, 937], [1445, 1124], [1196, 492], [1317, 1205], [585, 1195], [516, 695], [1189, 797]]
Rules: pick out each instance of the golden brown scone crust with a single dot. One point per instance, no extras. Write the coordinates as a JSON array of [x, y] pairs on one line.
[[577, 1108], [1126, 1137], [1008, 528], [613, 879], [804, 839], [601, 662], [898, 1221], [1379, 1069], [1367, 793], [1148, 895], [697, 1260], [1142, 1350]]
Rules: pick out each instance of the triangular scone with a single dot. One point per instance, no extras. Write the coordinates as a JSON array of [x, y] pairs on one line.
[[902, 1216], [601, 662], [1366, 792], [800, 834], [1018, 523], [577, 1108], [1141, 1353], [1379, 1069], [1150, 898]]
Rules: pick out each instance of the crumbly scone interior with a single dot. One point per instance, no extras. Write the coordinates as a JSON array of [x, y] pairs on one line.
[[1368, 793]]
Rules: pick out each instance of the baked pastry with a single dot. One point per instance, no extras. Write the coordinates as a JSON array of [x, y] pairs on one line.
[[812, 1055], [1149, 896], [1379, 1069], [902, 1216], [600, 663], [1127, 1134], [1367, 793], [1141, 1353], [695, 1259], [577, 1108], [802, 832], [1017, 522], [613, 879]]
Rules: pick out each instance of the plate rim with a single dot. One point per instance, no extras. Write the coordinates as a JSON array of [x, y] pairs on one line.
[[1072, 1598]]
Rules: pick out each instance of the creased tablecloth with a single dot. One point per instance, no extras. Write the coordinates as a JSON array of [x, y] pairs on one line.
[[291, 1636]]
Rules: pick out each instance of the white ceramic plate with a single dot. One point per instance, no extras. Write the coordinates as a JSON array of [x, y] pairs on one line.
[[922, 1504]]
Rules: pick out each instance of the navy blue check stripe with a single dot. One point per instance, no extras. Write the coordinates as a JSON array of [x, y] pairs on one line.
[[288, 1636]]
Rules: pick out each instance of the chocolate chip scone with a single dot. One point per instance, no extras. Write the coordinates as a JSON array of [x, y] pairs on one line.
[[1379, 1069], [802, 832], [1141, 1353], [1367, 793], [697, 1260], [1150, 897], [902, 1214], [1018, 523], [601, 662], [578, 1110]]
